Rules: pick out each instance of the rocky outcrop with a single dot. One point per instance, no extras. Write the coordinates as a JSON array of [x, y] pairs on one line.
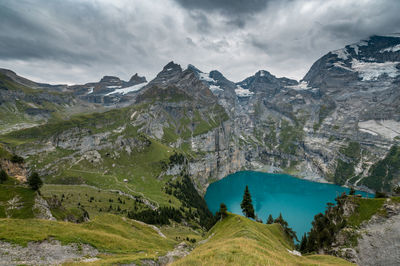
[[379, 243], [375, 242], [41, 209], [44, 253], [17, 170]]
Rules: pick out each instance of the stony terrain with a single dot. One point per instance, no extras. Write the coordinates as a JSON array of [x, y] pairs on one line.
[[378, 242], [44, 253]]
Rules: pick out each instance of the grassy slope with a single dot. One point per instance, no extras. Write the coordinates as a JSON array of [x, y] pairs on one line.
[[4, 154], [24, 200], [122, 239], [94, 201], [240, 241], [365, 209]]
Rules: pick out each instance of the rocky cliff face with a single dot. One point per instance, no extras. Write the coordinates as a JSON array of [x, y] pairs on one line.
[[379, 242], [375, 241]]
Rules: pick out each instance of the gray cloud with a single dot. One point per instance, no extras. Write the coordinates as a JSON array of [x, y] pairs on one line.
[[77, 41], [230, 7]]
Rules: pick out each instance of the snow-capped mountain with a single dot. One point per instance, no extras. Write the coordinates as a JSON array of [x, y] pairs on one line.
[[334, 125]]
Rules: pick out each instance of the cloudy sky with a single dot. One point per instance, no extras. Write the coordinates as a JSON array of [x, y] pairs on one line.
[[77, 41]]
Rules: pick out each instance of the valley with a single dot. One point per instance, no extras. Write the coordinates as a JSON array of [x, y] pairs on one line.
[[126, 164]]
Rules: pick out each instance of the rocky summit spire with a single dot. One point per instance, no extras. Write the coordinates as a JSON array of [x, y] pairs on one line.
[[136, 79], [171, 66]]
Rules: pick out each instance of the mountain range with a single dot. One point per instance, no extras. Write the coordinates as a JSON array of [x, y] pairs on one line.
[[337, 124]]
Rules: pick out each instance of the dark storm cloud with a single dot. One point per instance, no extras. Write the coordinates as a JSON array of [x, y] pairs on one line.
[[231, 7], [236, 12], [78, 41]]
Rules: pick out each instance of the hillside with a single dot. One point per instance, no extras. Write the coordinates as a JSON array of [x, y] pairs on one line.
[[239, 241], [109, 239]]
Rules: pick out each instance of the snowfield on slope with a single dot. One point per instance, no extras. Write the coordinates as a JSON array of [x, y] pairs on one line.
[[386, 128], [241, 92], [372, 70], [128, 89]]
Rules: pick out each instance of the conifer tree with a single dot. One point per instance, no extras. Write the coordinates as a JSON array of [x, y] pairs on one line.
[[270, 219], [3, 176], [34, 181], [303, 244], [223, 211], [247, 205], [289, 231]]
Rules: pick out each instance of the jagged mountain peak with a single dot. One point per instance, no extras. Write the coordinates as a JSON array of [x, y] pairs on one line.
[[169, 74], [215, 74], [137, 79], [171, 66], [263, 73], [264, 81], [376, 59]]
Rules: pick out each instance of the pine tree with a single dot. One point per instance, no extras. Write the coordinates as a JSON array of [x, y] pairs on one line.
[[352, 191], [3, 176], [270, 219], [303, 244], [247, 205], [223, 211], [34, 181], [289, 231]]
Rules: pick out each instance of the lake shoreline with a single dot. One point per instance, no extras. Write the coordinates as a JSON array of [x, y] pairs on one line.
[[298, 199]]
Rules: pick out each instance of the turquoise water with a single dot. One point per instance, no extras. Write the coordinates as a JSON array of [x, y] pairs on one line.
[[297, 199]]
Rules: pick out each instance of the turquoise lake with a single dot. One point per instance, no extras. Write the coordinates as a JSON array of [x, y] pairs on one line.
[[297, 199]]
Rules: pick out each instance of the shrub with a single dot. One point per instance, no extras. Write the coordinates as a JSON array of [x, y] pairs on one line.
[[17, 159]]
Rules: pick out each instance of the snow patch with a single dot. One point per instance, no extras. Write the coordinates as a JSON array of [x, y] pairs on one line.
[[263, 73], [300, 87], [372, 70], [341, 65], [241, 92], [342, 54], [387, 128], [294, 252], [392, 49], [113, 87], [169, 69], [205, 77], [126, 90], [215, 89], [356, 46], [90, 90]]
